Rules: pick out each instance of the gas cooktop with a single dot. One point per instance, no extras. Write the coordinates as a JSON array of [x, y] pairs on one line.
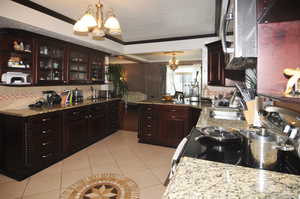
[[236, 153]]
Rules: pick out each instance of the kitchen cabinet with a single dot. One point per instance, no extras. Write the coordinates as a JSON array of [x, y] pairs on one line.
[[97, 67], [17, 52], [165, 125], [147, 124], [49, 61], [78, 65], [216, 71], [216, 64], [30, 144]]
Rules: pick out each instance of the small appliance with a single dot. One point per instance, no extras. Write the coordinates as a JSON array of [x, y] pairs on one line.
[[16, 78], [77, 96]]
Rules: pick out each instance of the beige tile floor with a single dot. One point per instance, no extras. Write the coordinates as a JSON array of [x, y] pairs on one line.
[[120, 153]]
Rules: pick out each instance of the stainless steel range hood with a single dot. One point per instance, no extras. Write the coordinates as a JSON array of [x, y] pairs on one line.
[[239, 17]]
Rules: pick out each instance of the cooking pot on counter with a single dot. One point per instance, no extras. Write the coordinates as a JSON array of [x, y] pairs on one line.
[[264, 147]]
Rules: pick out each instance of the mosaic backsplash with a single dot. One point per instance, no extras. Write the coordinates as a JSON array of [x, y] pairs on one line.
[[21, 97]]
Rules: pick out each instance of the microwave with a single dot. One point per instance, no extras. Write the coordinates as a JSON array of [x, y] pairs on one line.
[[239, 18]]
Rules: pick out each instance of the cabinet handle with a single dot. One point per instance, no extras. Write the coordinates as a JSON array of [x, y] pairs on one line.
[[148, 134], [46, 119], [86, 117], [173, 110], [46, 131], [45, 143], [149, 117], [46, 156], [149, 109], [90, 116], [75, 112], [149, 126], [173, 117]]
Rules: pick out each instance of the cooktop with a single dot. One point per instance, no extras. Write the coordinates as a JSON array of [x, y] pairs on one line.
[[236, 153]]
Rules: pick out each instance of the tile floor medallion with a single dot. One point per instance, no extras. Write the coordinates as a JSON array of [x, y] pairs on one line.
[[103, 186], [120, 153]]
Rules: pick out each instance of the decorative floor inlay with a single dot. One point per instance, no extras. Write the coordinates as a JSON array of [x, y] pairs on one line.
[[103, 186]]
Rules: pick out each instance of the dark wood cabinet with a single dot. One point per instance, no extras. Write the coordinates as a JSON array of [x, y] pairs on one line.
[[49, 61], [30, 144], [217, 60], [216, 64], [165, 125]]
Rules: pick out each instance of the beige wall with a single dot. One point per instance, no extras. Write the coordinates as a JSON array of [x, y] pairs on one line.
[[21, 97]]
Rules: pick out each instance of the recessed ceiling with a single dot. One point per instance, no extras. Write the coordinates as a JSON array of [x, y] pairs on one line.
[[188, 55], [148, 19]]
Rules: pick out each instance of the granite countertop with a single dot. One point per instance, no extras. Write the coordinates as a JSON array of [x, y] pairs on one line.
[[196, 178], [205, 120], [197, 105], [26, 112]]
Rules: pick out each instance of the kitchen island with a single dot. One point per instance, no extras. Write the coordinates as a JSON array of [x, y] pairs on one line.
[[166, 123], [198, 178]]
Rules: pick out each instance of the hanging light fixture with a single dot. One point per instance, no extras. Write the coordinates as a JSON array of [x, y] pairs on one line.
[[173, 62], [98, 27]]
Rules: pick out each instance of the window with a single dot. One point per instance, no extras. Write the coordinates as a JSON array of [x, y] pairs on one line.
[[182, 78]]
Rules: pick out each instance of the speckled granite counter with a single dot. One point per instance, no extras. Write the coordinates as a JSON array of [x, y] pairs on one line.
[[36, 111], [196, 179], [205, 120], [197, 105]]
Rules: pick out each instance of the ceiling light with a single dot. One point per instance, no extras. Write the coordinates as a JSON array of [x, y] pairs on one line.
[[173, 62], [98, 26]]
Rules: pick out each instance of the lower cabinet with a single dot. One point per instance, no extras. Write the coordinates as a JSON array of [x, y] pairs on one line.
[[165, 125], [30, 144]]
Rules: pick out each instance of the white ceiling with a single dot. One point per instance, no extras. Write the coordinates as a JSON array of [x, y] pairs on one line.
[[188, 55], [148, 19]]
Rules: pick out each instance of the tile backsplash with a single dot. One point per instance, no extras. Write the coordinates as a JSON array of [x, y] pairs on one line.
[[21, 97]]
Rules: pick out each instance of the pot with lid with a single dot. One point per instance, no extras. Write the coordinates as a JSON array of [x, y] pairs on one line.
[[264, 146]]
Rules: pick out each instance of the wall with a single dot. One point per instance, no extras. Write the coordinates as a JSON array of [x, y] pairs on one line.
[[145, 78], [21, 97], [278, 48]]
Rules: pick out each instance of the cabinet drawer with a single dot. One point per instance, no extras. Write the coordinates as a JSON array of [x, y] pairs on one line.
[[75, 114], [44, 120], [98, 109]]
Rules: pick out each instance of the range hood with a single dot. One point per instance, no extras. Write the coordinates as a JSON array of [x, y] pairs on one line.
[[239, 17]]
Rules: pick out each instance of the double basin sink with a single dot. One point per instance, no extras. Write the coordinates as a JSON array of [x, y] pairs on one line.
[[226, 113]]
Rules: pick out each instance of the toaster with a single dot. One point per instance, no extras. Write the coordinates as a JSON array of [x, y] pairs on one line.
[[16, 78]]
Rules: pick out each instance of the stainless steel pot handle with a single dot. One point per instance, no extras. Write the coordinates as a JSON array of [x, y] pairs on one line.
[[284, 147]]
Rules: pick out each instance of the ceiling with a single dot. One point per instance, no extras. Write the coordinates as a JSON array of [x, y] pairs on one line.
[[188, 55], [148, 19]]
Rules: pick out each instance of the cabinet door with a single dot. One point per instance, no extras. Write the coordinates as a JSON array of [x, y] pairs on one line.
[[75, 130], [96, 127], [78, 65], [172, 128], [50, 62], [112, 117], [97, 67], [216, 67]]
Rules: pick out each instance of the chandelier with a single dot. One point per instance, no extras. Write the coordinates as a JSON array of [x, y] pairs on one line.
[[173, 62], [98, 27]]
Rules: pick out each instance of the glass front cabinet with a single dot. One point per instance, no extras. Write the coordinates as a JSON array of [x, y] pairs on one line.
[[47, 61], [50, 62], [97, 67], [78, 65]]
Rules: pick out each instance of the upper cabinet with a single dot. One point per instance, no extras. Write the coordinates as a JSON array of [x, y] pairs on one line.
[[17, 54], [48, 61], [78, 65], [97, 67], [216, 61]]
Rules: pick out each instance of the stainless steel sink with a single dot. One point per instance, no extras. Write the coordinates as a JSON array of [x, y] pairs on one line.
[[226, 114]]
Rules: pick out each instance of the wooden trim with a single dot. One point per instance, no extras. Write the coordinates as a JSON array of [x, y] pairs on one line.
[[64, 18], [171, 39], [45, 10]]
